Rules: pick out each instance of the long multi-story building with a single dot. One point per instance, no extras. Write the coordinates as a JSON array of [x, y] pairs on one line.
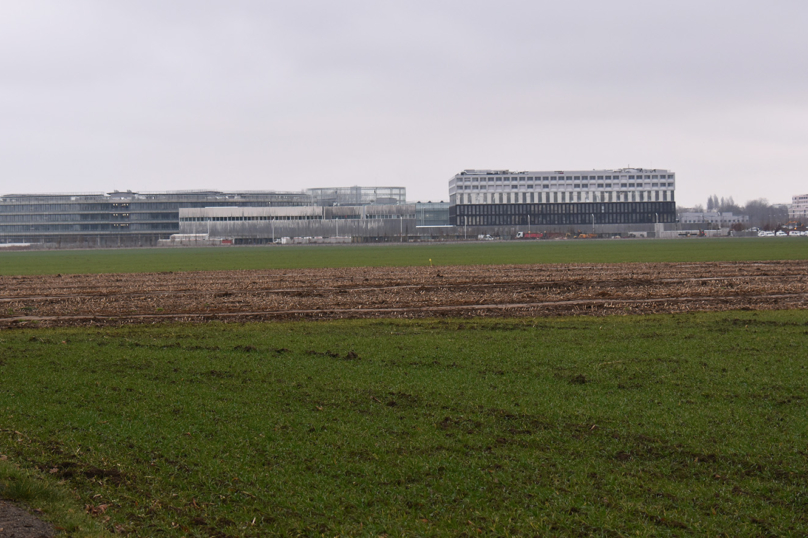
[[142, 218], [561, 198]]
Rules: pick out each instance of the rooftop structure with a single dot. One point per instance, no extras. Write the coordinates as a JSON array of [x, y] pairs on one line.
[[356, 195]]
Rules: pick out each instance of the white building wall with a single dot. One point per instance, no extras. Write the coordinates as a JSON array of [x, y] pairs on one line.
[[621, 185], [798, 210]]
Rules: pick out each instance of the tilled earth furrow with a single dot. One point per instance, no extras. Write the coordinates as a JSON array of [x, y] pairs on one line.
[[401, 292]]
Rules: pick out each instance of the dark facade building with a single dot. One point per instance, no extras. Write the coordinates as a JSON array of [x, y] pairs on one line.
[[566, 214]]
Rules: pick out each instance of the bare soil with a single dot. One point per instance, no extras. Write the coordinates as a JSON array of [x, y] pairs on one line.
[[401, 292], [17, 523]]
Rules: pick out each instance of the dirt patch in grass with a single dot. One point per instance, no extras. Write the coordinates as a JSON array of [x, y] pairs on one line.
[[16, 522], [401, 292]]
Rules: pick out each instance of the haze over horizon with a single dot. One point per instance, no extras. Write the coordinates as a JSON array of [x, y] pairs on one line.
[[255, 95]]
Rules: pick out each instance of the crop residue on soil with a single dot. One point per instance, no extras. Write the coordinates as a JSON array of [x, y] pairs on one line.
[[406, 292]]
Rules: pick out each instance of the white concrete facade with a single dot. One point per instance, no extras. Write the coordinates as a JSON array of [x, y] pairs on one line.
[[798, 210], [509, 187]]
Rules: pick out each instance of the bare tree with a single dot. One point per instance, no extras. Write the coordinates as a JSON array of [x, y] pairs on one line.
[[764, 215]]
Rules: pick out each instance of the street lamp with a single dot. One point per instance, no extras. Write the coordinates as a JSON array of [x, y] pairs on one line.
[[593, 223]]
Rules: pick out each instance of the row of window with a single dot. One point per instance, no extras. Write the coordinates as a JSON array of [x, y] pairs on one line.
[[556, 197], [6, 230], [576, 219], [560, 209], [461, 179], [267, 218], [389, 216], [132, 207], [82, 217], [568, 186], [243, 219]]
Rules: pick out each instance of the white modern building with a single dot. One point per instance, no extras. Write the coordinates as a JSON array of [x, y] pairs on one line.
[[611, 198], [798, 210], [508, 187]]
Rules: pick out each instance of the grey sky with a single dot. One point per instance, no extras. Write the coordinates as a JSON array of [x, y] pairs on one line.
[[169, 95]]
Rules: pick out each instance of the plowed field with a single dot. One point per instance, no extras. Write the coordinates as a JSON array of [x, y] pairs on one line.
[[384, 292]]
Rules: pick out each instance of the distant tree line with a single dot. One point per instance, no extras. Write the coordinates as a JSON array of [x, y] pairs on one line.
[[761, 214]]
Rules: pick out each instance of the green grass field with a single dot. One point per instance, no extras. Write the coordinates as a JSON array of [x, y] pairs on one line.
[[653, 426], [396, 255]]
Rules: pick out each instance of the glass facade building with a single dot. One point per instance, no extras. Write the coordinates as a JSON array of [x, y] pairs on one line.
[[118, 218]]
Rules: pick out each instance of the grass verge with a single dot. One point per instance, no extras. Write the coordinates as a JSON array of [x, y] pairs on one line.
[[661, 425]]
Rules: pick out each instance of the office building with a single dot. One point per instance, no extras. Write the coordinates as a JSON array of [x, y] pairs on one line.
[[562, 198]]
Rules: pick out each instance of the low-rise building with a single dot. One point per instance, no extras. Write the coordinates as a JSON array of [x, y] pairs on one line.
[[257, 225], [721, 219]]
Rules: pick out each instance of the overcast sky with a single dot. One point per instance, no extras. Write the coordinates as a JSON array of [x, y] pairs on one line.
[[97, 95]]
